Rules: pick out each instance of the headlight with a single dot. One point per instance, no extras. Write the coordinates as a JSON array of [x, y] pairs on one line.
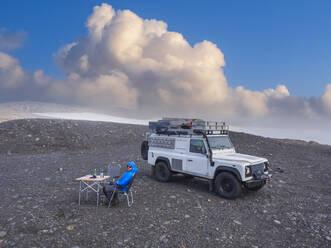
[[247, 171]]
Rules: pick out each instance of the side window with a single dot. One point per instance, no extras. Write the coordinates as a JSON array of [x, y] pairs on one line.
[[197, 146]]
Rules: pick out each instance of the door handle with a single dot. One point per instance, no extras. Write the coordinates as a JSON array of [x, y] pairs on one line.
[[189, 160]]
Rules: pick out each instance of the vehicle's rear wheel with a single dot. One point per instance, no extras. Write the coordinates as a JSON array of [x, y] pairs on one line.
[[227, 185], [162, 172], [144, 150]]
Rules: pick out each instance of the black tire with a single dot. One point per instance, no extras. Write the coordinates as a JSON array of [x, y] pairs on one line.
[[227, 185], [144, 150], [256, 188], [162, 172]]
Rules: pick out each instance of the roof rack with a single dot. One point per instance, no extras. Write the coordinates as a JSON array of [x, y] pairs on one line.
[[181, 126]]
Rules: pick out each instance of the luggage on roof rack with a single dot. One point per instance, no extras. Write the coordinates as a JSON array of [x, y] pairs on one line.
[[181, 126]]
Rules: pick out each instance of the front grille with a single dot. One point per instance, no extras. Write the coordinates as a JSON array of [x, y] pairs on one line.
[[257, 170]]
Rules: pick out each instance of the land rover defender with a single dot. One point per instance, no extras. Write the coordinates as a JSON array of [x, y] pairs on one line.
[[198, 148]]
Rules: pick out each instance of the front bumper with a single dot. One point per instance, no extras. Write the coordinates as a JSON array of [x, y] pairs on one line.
[[258, 181]]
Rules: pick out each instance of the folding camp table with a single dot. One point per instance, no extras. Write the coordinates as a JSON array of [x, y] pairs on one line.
[[88, 182]]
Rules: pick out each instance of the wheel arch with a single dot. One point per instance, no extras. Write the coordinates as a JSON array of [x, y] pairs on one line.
[[233, 171], [163, 159]]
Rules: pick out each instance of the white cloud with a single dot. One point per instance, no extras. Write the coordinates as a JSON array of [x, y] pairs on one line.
[[280, 92], [326, 98], [113, 89], [164, 70], [252, 102], [11, 73]]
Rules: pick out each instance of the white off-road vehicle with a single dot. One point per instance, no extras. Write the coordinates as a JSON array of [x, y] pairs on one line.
[[197, 148]]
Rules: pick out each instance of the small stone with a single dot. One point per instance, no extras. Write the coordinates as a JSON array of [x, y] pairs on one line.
[[71, 227], [37, 139], [277, 222], [60, 169], [209, 200], [173, 197], [187, 216], [166, 222], [328, 238], [164, 239], [3, 234], [237, 222]]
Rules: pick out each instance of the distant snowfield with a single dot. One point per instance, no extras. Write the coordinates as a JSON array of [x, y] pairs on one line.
[[318, 135], [86, 116]]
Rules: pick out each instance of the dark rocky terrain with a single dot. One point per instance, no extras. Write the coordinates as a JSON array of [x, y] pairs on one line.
[[40, 159]]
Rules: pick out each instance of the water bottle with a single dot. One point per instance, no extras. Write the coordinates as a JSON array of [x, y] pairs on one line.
[[95, 173], [101, 173]]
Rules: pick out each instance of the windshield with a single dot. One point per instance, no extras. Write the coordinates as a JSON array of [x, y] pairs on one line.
[[220, 142]]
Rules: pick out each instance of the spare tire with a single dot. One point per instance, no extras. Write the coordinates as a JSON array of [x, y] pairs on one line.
[[144, 149]]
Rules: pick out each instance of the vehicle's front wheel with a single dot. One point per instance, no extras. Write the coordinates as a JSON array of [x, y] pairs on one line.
[[162, 172], [227, 185]]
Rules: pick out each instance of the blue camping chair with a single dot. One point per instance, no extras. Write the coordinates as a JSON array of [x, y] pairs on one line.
[[125, 192]]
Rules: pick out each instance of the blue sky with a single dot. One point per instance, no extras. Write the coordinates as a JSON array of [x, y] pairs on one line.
[[265, 43]]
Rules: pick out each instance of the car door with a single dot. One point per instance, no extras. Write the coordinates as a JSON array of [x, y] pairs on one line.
[[197, 161]]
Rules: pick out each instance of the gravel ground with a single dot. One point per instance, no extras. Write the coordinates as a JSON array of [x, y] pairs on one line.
[[39, 160]]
